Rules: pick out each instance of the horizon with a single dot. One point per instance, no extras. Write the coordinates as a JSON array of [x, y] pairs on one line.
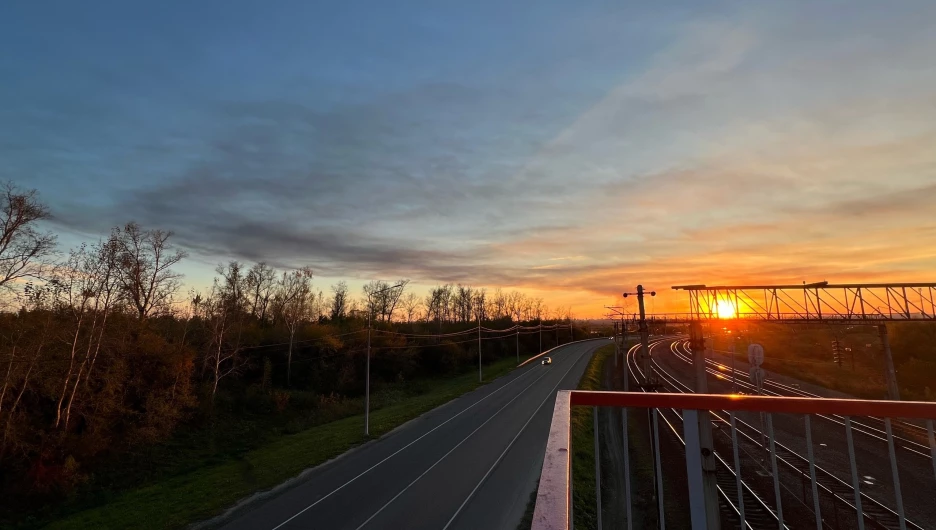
[[567, 152]]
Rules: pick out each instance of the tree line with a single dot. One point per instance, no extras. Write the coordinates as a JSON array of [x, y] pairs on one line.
[[103, 349]]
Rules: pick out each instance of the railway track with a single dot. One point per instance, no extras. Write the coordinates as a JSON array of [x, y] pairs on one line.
[[681, 350], [751, 508], [834, 489]]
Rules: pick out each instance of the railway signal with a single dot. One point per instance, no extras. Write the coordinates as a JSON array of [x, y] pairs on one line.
[[644, 355], [836, 353]]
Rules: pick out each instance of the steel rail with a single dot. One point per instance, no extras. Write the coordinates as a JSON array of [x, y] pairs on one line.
[[755, 510], [874, 511]]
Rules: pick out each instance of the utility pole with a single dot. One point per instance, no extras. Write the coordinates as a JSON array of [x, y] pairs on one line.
[[540, 318], [480, 378], [518, 344], [893, 391], [370, 311], [644, 356], [367, 377], [710, 487]]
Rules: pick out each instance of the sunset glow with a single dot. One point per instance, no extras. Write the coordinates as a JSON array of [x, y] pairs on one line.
[[568, 153], [725, 309]]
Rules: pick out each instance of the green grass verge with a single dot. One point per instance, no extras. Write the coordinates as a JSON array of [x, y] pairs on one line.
[[527, 522], [583, 445], [178, 501]]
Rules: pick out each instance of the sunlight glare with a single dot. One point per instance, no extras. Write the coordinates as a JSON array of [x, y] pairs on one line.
[[725, 309]]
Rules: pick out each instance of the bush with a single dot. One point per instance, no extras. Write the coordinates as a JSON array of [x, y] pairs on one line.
[[280, 400]]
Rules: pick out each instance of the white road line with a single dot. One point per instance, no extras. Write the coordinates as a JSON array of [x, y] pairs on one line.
[[465, 439], [549, 396], [398, 451]]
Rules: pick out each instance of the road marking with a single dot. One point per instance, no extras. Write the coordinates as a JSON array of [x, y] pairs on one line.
[[368, 470], [465, 439], [501, 457]]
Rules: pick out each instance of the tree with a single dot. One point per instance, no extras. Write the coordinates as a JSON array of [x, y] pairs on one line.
[[382, 298], [145, 259], [294, 290], [222, 312], [23, 248], [480, 305], [261, 280], [339, 301], [411, 306]]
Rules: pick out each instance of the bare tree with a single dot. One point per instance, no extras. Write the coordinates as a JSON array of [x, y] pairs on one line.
[[294, 292], [261, 280], [86, 290], [411, 305], [479, 304], [145, 259], [382, 298], [26, 352], [339, 301], [23, 248], [498, 304], [222, 312]]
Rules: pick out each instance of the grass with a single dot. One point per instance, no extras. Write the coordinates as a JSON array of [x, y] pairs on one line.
[[805, 352], [174, 502], [583, 445], [527, 522]]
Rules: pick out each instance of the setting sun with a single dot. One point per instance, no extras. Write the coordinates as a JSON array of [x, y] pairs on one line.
[[725, 309]]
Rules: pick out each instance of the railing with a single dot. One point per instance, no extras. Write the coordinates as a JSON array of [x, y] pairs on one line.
[[751, 492]]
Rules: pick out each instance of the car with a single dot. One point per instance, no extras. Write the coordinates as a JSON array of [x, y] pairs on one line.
[[547, 360]]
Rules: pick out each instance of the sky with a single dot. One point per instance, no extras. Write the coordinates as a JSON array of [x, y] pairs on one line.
[[568, 149]]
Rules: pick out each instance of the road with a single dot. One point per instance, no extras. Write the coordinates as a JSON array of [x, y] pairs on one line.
[[471, 463]]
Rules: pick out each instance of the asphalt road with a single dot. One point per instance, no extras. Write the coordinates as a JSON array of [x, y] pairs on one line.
[[471, 463]]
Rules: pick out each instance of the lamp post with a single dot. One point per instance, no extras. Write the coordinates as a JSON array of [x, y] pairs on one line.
[[370, 312], [480, 378]]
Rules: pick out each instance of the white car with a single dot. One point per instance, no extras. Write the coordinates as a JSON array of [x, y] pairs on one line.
[[547, 360]]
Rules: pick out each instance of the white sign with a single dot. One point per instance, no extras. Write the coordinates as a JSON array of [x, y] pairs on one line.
[[757, 376], [755, 354]]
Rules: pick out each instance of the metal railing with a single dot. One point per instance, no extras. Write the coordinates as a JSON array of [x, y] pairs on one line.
[[760, 481]]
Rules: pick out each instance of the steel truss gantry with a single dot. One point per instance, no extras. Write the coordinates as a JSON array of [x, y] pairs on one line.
[[815, 302]]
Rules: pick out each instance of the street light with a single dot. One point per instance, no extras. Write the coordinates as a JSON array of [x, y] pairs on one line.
[[370, 311]]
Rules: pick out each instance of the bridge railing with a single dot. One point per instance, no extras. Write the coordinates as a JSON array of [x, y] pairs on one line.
[[745, 476]]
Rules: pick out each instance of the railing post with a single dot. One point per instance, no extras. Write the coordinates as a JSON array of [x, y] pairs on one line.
[[597, 467], [812, 476], [658, 469], [697, 509], [710, 484], [627, 475]]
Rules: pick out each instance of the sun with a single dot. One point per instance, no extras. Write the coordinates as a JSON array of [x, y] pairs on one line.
[[725, 309]]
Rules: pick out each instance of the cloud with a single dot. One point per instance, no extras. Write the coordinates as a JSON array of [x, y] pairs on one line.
[[755, 143]]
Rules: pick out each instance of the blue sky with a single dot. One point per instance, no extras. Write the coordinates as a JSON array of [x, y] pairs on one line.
[[568, 148]]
